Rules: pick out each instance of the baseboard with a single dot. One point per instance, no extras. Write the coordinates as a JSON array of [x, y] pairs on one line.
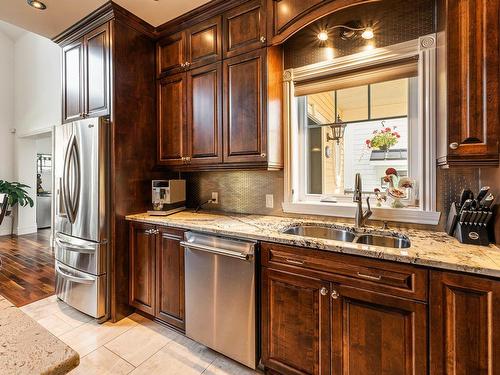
[[26, 230]]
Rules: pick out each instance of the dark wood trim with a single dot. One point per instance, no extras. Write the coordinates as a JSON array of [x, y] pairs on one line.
[[202, 13], [101, 15]]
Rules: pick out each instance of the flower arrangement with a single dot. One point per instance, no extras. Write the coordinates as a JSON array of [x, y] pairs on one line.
[[383, 139], [398, 187]]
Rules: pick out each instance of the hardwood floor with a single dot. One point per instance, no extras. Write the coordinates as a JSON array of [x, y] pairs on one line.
[[27, 267]]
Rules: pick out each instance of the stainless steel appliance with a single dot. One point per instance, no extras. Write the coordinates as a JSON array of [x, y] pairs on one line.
[[81, 228], [220, 295]]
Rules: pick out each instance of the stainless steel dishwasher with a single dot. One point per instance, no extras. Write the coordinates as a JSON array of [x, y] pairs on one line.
[[220, 295]]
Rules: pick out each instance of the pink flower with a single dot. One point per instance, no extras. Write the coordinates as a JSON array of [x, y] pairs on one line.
[[387, 129]]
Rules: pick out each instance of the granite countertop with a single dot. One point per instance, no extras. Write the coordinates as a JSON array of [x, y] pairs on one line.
[[428, 248], [28, 348]]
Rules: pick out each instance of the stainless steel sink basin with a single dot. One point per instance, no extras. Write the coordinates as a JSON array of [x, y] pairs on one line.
[[385, 241], [317, 231]]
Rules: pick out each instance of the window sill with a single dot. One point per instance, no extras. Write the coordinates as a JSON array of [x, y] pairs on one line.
[[404, 215]]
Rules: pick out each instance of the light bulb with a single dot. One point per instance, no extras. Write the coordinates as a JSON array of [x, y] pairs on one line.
[[323, 35], [367, 33]]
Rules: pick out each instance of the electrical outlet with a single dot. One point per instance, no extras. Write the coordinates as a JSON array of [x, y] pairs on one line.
[[269, 201], [215, 197]]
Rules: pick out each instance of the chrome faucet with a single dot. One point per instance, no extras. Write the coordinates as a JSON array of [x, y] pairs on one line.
[[360, 217]]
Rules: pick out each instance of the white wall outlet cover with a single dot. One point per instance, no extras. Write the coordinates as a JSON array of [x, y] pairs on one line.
[[269, 201], [215, 197]]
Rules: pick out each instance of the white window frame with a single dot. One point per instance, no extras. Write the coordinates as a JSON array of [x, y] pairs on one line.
[[423, 167]]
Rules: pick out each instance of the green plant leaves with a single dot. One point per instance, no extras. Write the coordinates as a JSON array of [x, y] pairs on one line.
[[17, 193]]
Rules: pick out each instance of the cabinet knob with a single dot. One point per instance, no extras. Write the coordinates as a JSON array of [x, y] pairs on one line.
[[262, 39], [188, 159], [183, 65], [454, 145], [187, 64], [335, 294], [263, 155], [323, 291]]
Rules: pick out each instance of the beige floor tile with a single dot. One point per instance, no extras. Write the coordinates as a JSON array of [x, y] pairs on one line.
[[55, 325], [102, 362], [226, 366], [73, 317], [90, 336], [181, 356], [45, 307], [141, 342]]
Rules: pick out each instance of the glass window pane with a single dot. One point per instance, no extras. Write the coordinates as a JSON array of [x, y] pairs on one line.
[[389, 99], [352, 103], [321, 107]]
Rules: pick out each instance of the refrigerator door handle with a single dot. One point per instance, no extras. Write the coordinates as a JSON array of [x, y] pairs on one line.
[[75, 248], [71, 201], [76, 279]]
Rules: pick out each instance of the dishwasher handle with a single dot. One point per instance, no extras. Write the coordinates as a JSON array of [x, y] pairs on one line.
[[215, 250]]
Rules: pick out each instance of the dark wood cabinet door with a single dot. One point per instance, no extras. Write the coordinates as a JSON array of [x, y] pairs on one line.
[[72, 84], [376, 333], [244, 126], [295, 324], [142, 267], [97, 71], [170, 277], [473, 58], [244, 28], [464, 324], [205, 114], [172, 119], [171, 54], [204, 43]]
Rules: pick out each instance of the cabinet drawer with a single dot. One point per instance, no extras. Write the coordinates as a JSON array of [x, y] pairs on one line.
[[387, 277]]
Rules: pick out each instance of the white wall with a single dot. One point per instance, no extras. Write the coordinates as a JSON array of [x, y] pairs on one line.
[[37, 109], [6, 115]]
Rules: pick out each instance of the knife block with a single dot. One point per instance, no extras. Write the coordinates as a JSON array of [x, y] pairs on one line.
[[472, 234]]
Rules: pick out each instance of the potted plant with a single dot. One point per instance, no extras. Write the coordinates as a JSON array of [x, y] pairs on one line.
[[383, 139], [17, 194]]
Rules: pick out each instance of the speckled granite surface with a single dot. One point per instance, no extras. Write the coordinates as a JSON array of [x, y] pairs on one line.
[[434, 249], [28, 348]]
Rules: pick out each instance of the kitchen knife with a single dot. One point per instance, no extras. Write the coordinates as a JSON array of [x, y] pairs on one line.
[[488, 201], [464, 195], [480, 220], [482, 193], [472, 217]]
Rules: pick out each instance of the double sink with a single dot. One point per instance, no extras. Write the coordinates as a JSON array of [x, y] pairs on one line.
[[349, 235]]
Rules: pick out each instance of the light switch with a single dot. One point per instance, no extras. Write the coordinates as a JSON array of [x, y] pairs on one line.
[[269, 201]]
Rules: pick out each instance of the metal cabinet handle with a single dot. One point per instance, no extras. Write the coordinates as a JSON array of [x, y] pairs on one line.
[[262, 39], [183, 65], [188, 159], [293, 261], [323, 291], [454, 145], [335, 294], [152, 231], [377, 278]]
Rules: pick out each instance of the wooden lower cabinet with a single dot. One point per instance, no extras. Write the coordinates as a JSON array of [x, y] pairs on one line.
[[295, 326], [157, 272], [142, 267], [464, 324], [376, 333], [170, 277]]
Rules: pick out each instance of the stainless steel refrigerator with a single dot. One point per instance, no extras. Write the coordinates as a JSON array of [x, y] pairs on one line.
[[82, 214]]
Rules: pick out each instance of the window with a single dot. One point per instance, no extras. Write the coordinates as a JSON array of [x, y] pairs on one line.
[[367, 113]]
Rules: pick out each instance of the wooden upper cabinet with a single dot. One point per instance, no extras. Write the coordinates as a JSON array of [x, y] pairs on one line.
[[97, 71], [377, 333], [172, 119], [244, 125], [295, 324], [244, 28], [204, 43], [170, 277], [204, 103], [171, 53], [472, 61], [142, 267], [464, 324], [72, 65]]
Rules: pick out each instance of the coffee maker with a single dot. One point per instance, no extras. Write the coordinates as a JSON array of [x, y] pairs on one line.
[[167, 197]]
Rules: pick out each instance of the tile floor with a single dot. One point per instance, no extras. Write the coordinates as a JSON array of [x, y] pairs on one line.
[[135, 345]]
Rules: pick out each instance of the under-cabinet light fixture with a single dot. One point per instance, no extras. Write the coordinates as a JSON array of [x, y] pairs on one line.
[[348, 32]]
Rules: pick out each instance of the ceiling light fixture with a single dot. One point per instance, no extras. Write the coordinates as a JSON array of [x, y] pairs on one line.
[[37, 4]]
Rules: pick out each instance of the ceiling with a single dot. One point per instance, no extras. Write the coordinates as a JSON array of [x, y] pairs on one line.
[[60, 15]]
